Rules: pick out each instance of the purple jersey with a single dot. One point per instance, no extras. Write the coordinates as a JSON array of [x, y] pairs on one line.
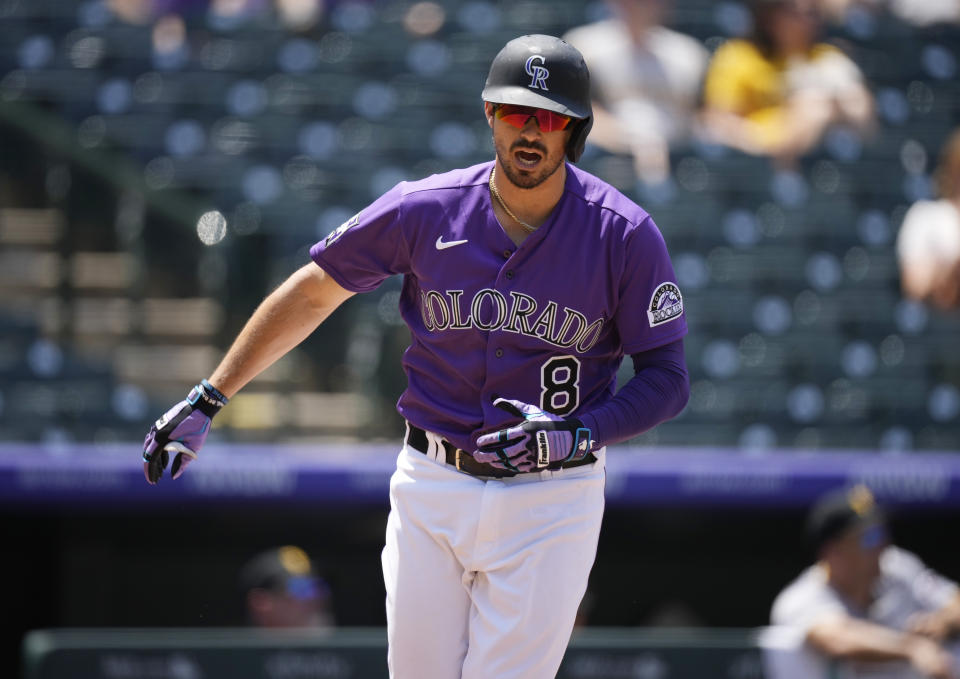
[[547, 322]]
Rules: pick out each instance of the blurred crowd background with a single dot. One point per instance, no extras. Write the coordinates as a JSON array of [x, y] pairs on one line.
[[165, 163]]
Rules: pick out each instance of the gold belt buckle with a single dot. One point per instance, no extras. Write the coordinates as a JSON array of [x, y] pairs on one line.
[[458, 457]]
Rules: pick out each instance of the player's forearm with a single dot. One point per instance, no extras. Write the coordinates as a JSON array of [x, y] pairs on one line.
[[857, 108], [284, 319], [916, 279], [733, 131], [852, 639], [657, 392]]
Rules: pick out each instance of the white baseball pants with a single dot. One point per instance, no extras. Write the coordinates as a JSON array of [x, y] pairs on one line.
[[484, 578]]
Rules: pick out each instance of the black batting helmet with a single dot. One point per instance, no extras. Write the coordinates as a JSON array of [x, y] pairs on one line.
[[544, 72]]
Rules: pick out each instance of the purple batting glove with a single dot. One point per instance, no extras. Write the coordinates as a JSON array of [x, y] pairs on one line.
[[542, 441], [181, 430]]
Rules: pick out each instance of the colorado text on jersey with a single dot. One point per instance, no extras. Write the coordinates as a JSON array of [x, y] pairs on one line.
[[490, 310]]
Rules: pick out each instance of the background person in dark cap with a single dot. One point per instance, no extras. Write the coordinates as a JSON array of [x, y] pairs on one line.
[[867, 601], [281, 589]]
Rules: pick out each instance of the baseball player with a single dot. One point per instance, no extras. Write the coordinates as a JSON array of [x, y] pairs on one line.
[[525, 282]]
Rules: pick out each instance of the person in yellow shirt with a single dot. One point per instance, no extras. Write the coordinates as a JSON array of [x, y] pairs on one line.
[[778, 92]]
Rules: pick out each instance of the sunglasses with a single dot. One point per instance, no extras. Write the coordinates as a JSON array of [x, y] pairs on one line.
[[517, 116]]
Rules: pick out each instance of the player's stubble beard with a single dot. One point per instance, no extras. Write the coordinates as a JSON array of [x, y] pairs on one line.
[[525, 179]]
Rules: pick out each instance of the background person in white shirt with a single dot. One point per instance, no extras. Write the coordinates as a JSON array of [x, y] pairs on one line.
[[867, 601], [646, 81], [928, 245]]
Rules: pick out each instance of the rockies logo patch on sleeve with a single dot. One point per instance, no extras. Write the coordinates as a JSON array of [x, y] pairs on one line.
[[666, 304], [340, 230]]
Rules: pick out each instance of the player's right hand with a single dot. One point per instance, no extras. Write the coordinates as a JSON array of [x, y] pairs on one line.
[[181, 430]]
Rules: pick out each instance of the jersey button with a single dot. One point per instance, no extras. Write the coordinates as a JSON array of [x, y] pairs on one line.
[[509, 274], [498, 353], [506, 254]]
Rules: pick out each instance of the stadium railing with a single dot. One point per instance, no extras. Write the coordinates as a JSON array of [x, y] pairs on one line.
[[360, 653]]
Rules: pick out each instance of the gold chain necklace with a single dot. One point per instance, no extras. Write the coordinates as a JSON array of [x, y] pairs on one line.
[[496, 194]]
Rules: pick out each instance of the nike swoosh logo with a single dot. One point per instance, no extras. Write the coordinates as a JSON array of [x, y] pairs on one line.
[[449, 244]]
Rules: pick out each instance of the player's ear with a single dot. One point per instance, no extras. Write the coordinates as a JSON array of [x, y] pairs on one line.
[[488, 111]]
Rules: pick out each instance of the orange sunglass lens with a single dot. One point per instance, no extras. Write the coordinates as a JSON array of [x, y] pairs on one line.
[[517, 116]]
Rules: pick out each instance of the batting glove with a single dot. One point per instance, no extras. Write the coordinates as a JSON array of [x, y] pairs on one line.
[[542, 441], [181, 430]]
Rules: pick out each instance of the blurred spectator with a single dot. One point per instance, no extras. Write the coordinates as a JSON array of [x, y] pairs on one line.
[[296, 16], [282, 589], [915, 12], [837, 12], [293, 15], [299, 15], [146, 11], [169, 37], [235, 13], [928, 246], [866, 600], [926, 12], [646, 82], [777, 93], [132, 11]]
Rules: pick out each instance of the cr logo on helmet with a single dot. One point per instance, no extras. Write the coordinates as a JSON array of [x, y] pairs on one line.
[[538, 74]]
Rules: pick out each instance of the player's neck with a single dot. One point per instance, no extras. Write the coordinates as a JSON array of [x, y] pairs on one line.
[[532, 206]]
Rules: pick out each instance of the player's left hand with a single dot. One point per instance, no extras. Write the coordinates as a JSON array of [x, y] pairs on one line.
[[542, 441], [181, 430]]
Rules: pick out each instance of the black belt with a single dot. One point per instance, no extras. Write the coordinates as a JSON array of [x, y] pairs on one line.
[[465, 462]]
